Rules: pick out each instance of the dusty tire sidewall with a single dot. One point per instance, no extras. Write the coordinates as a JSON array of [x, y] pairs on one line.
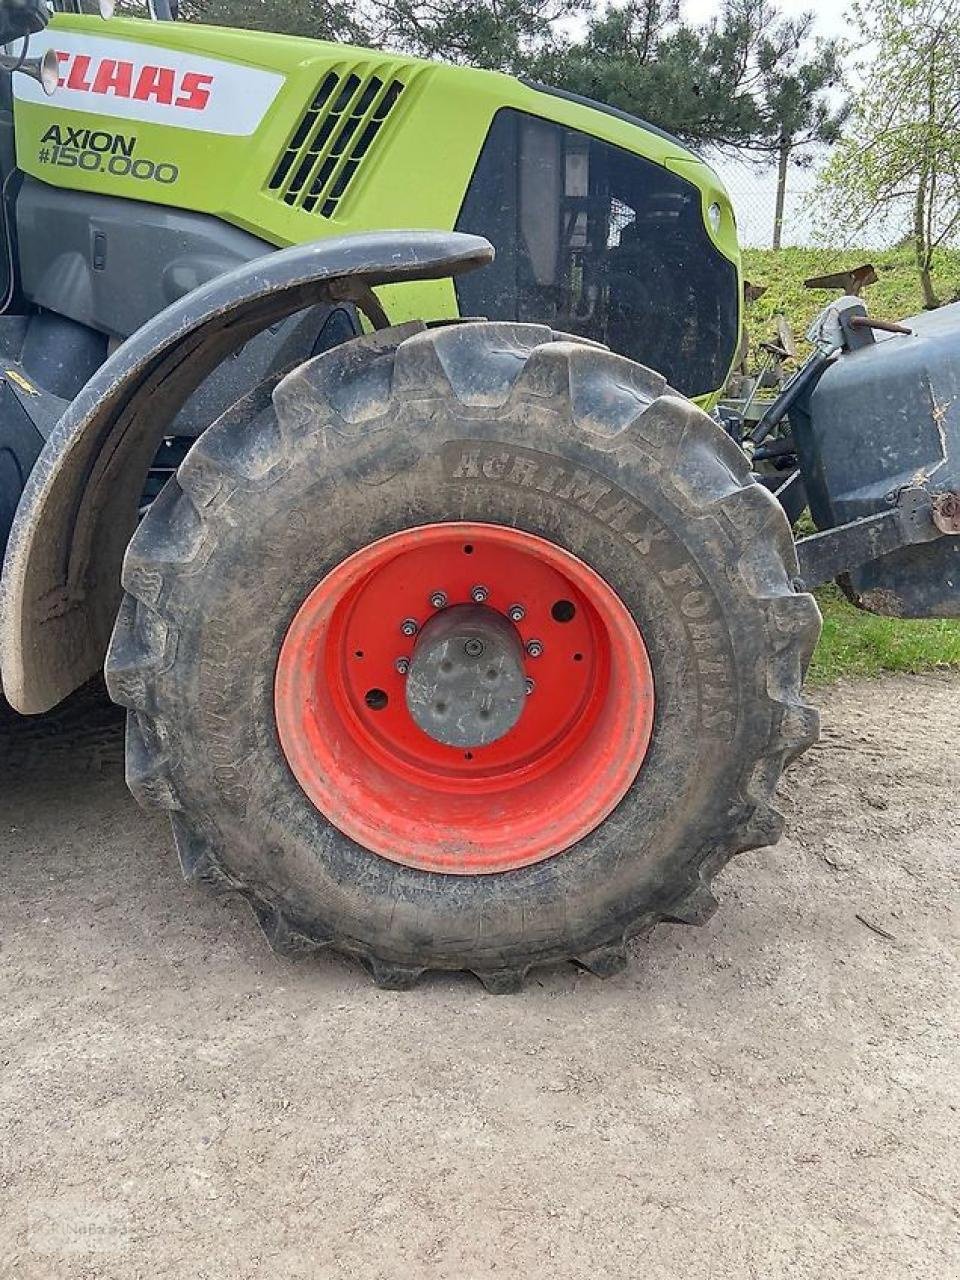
[[675, 571]]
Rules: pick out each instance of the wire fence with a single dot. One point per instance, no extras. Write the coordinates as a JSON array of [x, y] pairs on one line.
[[753, 191]]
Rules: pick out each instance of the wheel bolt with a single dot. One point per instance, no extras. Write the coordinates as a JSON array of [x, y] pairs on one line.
[[534, 648], [516, 613], [409, 626], [438, 599], [402, 665], [479, 594], [528, 685]]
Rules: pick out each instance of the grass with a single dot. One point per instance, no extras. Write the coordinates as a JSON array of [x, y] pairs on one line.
[[783, 271], [855, 643]]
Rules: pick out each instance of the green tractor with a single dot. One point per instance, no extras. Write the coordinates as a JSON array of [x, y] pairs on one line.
[[455, 629]]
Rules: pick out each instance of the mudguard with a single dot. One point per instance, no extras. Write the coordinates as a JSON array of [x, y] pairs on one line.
[[60, 587]]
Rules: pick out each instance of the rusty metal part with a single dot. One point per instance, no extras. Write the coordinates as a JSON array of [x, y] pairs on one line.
[[872, 322], [946, 513], [824, 556], [775, 350], [61, 579], [850, 282], [751, 291]]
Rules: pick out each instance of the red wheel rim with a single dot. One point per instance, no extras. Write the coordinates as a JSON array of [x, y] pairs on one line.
[[364, 762]]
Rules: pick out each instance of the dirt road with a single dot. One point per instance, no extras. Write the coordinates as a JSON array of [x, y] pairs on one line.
[[773, 1096]]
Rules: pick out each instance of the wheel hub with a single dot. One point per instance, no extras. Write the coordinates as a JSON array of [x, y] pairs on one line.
[[466, 683]]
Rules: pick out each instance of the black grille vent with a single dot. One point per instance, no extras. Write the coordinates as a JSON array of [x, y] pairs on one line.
[[333, 137]]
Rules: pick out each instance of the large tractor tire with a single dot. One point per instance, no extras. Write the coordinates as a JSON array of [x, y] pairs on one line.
[[470, 648]]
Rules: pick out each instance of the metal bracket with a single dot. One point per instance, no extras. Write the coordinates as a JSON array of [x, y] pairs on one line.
[[919, 516], [946, 513]]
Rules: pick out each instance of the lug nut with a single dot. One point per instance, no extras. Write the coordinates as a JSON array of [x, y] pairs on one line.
[[402, 665], [409, 626], [479, 594], [528, 685], [534, 648], [438, 599], [516, 613]]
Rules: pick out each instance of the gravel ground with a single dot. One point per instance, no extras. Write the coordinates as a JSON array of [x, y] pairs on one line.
[[775, 1095]]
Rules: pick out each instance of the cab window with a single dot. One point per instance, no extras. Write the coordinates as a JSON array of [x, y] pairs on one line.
[[597, 241]]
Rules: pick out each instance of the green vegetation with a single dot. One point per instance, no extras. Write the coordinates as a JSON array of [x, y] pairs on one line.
[[860, 644], [855, 643], [899, 158], [896, 294]]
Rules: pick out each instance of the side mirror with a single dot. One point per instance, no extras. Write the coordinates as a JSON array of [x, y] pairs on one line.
[[48, 70], [45, 70]]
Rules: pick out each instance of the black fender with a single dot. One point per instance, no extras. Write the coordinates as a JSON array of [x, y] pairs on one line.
[[60, 588]]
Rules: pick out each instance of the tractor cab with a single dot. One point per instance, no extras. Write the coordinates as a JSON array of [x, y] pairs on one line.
[[602, 242]]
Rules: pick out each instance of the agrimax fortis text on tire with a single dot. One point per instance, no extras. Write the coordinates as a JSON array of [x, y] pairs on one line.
[[485, 422]]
